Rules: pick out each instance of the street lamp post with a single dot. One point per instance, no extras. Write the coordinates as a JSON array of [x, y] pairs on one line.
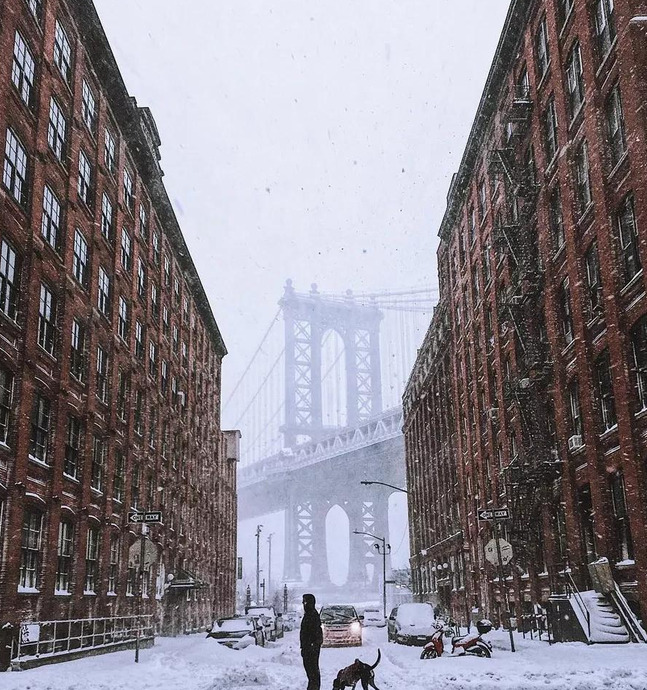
[[397, 488], [258, 562], [269, 564], [384, 550]]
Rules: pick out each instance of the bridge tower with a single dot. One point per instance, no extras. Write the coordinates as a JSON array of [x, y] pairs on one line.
[[307, 317]]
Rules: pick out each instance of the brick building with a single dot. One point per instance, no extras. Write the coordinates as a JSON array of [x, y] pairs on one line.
[[540, 336], [110, 357]]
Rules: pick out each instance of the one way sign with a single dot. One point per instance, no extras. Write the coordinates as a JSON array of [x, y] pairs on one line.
[[148, 517], [493, 514]]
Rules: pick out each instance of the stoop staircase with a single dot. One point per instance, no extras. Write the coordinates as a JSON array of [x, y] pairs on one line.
[[604, 624]]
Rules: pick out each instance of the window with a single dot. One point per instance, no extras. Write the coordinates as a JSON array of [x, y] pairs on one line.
[[541, 49], [77, 351], [106, 217], [482, 199], [623, 541], [130, 580], [98, 463], [50, 226], [574, 408], [32, 527], [594, 282], [85, 178], [176, 289], [129, 196], [556, 219], [155, 307], [139, 340], [476, 285], [23, 70], [185, 310], [628, 239], [472, 226], [139, 412], [564, 9], [143, 222], [126, 250], [185, 355], [166, 327], [57, 130], [123, 327], [109, 152], [582, 177], [141, 278], [119, 479], [156, 247], [36, 7], [164, 381], [176, 342], [88, 106], [152, 432], [14, 176], [102, 374], [40, 424], [6, 398], [638, 337], [64, 553], [152, 359], [134, 488], [122, 395], [167, 271], [565, 312], [103, 296], [574, 80], [62, 52], [604, 26], [80, 258], [615, 126], [91, 559], [606, 399], [73, 439], [8, 280], [113, 563], [550, 129], [46, 319]]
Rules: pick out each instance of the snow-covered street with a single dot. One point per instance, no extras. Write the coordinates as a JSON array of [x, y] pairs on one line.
[[197, 663]]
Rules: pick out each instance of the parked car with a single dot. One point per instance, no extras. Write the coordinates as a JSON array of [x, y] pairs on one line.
[[411, 624], [237, 632], [341, 626], [373, 617], [273, 621], [291, 620]]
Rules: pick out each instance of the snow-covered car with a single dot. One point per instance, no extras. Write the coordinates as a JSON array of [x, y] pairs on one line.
[[374, 617], [238, 632], [291, 620], [411, 624], [341, 626], [273, 624]]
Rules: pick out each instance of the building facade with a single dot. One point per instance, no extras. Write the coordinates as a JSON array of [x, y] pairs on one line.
[[110, 357], [541, 257]]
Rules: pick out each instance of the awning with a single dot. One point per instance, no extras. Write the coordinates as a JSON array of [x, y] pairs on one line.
[[186, 580]]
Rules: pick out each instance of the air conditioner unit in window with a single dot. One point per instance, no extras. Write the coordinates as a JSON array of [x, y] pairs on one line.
[[575, 442]]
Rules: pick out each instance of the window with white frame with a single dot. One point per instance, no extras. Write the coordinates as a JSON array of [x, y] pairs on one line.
[[615, 126], [143, 222], [156, 247], [64, 556], [126, 250], [73, 438], [6, 400], [155, 307], [141, 278], [574, 80], [109, 152], [103, 294], [8, 280], [593, 280], [564, 9], [605, 396], [57, 129], [582, 177], [605, 27], [152, 359], [167, 270], [165, 321], [122, 395], [550, 129], [113, 563], [77, 350], [139, 340], [623, 541], [565, 312], [23, 70], [62, 52], [14, 175], [47, 319], [628, 239], [102, 374], [119, 478], [638, 337], [30, 550], [84, 184], [36, 7], [129, 193], [40, 426], [574, 408], [88, 106], [541, 49], [134, 488], [556, 218], [175, 338], [106, 217], [98, 463], [80, 258], [50, 227], [123, 326], [91, 560], [139, 413]]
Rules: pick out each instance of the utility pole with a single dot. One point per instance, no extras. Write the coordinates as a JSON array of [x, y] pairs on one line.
[[383, 550], [258, 562], [269, 565]]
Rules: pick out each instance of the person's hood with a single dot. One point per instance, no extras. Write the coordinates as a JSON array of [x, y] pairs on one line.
[[309, 602]]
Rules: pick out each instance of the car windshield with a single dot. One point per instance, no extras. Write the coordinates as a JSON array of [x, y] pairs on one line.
[[234, 625], [338, 613], [415, 614]]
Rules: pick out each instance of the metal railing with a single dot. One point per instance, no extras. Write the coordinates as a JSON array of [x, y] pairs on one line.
[[50, 638], [575, 596]]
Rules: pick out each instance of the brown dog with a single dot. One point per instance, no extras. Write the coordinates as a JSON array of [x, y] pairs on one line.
[[357, 672]]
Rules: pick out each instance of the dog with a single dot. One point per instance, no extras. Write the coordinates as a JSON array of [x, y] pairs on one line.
[[357, 672]]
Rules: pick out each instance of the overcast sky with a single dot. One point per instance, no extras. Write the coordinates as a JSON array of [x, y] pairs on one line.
[[312, 140]]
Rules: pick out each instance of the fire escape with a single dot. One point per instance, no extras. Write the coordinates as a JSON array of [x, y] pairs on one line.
[[530, 476]]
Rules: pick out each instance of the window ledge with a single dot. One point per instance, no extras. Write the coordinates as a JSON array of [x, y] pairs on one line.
[[38, 461], [111, 594], [62, 593], [69, 477], [609, 432], [606, 57], [619, 164], [567, 21], [28, 590], [89, 593], [635, 279], [4, 446]]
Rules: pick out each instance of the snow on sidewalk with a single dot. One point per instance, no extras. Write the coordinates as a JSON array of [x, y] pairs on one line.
[[196, 663]]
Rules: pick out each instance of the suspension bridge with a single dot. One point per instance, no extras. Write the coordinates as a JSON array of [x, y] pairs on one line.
[[319, 407]]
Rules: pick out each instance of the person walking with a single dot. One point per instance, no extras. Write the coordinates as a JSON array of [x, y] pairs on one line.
[[311, 638]]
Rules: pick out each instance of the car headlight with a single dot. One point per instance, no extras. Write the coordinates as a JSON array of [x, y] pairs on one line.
[[356, 628]]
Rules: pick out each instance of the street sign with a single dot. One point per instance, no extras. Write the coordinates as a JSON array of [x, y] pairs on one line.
[[148, 517], [493, 514], [505, 549]]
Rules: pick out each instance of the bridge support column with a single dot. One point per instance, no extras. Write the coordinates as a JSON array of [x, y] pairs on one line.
[[319, 574], [357, 551], [291, 569]]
